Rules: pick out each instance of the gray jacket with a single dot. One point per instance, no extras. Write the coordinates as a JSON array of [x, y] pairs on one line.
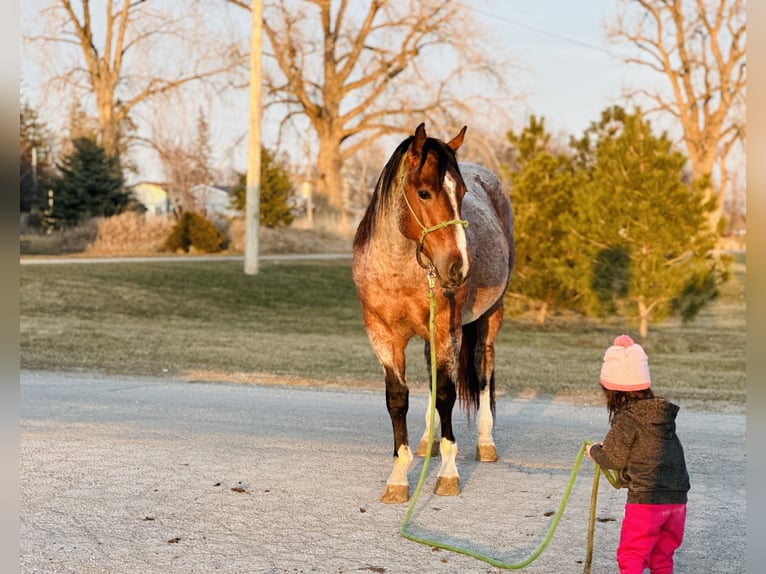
[[643, 446]]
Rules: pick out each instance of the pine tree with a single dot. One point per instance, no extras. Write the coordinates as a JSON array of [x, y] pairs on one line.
[[643, 249], [542, 188], [276, 191], [90, 184]]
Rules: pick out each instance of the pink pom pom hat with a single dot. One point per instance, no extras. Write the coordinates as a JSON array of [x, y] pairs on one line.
[[625, 367]]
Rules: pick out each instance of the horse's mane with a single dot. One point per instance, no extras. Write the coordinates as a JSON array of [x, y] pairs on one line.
[[384, 193]]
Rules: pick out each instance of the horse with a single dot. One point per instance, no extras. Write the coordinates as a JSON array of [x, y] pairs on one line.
[[430, 217]]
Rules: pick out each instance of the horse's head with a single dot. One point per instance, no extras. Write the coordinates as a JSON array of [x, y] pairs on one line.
[[432, 196]]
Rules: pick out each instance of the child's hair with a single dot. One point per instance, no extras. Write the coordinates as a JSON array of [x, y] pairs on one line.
[[616, 400]]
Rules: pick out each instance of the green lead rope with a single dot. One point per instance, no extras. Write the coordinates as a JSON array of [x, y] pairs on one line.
[[551, 529]]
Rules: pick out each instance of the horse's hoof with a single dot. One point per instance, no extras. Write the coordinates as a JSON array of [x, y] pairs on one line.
[[447, 486], [486, 453], [396, 494], [423, 446]]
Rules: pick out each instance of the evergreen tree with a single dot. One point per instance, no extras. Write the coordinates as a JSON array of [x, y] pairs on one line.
[[90, 184], [276, 191], [642, 248], [542, 188]]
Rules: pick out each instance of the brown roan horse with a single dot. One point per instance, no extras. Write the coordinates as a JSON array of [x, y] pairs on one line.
[[429, 214]]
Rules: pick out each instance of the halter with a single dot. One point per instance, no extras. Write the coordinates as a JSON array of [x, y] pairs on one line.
[[424, 230]]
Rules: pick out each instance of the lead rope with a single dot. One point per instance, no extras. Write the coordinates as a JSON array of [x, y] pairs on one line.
[[430, 276]]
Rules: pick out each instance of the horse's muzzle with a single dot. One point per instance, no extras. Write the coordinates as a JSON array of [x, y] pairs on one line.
[[453, 276]]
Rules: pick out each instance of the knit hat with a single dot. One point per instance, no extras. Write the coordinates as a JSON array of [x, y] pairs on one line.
[[626, 366]]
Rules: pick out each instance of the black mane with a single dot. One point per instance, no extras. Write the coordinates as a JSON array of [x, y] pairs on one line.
[[382, 197]]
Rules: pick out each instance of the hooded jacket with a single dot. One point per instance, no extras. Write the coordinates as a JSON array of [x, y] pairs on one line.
[[643, 446]]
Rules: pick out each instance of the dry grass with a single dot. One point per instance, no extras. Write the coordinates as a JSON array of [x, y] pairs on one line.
[[279, 241], [130, 234], [300, 323], [64, 242]]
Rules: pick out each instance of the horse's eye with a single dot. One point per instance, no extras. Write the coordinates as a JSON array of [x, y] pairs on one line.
[[424, 194]]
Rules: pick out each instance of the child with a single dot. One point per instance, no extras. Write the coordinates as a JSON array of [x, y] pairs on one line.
[[642, 444]]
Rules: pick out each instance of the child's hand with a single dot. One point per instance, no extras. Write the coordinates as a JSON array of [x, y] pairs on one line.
[[588, 447]]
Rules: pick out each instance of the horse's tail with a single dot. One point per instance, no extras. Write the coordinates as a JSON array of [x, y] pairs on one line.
[[469, 383]]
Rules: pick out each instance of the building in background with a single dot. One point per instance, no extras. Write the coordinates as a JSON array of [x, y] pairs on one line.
[[210, 200], [154, 197]]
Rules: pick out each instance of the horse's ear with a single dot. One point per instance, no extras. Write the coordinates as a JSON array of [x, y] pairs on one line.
[[420, 139], [457, 141]]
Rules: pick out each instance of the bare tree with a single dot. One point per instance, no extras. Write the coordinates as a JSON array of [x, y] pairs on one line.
[[121, 53], [185, 155], [359, 71], [699, 46]]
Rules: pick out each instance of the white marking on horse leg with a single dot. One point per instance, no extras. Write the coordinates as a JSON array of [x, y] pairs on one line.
[[485, 445], [451, 185], [424, 439], [448, 451], [448, 480], [402, 464], [397, 486]]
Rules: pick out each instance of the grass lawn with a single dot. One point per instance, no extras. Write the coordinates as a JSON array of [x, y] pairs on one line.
[[300, 323]]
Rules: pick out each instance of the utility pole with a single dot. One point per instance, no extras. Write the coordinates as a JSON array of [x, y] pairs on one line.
[[307, 187], [253, 180]]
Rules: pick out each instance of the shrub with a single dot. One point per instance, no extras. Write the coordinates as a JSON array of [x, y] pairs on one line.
[[194, 232]]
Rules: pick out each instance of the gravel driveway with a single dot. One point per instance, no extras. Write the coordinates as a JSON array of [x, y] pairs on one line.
[[158, 475]]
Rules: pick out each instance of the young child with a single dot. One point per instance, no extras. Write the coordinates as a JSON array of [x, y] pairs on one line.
[[642, 445]]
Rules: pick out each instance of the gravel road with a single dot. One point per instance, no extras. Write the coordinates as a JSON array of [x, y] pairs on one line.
[[158, 475]]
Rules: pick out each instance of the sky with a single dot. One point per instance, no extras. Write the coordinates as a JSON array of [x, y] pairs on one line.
[[571, 72], [575, 73]]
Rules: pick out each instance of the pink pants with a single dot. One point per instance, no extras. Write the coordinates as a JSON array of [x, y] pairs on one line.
[[649, 537]]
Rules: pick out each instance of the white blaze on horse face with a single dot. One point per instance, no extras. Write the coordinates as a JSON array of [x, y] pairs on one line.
[[451, 186]]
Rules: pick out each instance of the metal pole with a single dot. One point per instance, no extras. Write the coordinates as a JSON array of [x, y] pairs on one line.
[[253, 180], [307, 187]]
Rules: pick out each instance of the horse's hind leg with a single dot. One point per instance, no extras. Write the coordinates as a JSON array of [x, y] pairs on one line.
[[484, 361]]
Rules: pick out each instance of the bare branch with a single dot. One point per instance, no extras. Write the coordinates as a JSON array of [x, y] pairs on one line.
[[699, 47], [129, 27]]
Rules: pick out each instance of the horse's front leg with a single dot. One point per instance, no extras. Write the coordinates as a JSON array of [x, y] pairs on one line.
[[397, 401], [448, 479]]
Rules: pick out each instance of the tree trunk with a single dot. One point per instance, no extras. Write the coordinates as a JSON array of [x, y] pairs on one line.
[[702, 163], [542, 314], [643, 319], [107, 121], [330, 167]]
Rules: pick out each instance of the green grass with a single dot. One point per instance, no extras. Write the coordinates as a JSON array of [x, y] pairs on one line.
[[302, 320]]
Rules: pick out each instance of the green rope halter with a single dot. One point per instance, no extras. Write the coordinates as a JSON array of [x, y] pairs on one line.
[[424, 230]]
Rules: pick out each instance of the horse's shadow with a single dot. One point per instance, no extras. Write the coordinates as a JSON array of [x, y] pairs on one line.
[[518, 449]]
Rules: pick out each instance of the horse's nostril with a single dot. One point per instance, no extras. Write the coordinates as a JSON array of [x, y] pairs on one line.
[[456, 271]]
